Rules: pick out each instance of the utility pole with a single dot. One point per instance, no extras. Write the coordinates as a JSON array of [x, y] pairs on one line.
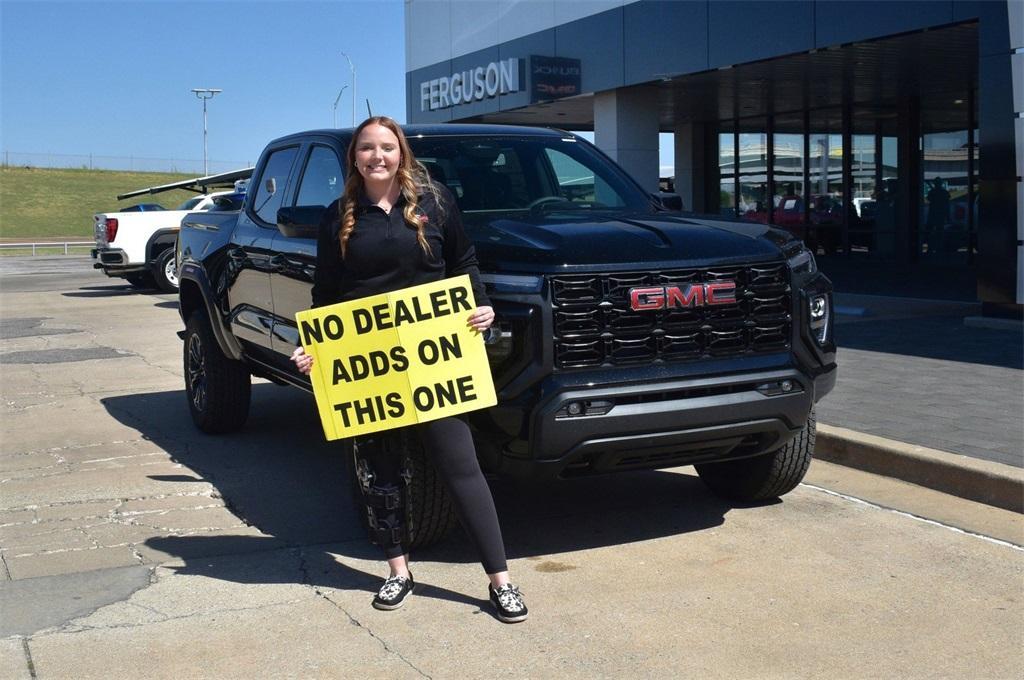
[[205, 93], [334, 108], [353, 69]]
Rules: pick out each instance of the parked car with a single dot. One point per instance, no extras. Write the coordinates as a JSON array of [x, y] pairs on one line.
[[143, 207], [139, 245]]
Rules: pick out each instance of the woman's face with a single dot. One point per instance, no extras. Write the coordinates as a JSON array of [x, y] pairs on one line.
[[377, 154]]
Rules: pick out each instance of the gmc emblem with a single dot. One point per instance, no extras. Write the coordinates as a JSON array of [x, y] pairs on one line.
[[693, 295]]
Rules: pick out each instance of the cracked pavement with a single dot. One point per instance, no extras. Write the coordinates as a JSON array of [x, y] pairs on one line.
[[132, 545]]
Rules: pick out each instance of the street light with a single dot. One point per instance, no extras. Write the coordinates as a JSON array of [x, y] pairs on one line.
[[334, 108], [353, 69], [205, 93]]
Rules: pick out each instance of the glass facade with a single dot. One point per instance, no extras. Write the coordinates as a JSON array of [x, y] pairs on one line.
[[948, 206], [788, 195], [727, 169], [835, 177], [752, 142]]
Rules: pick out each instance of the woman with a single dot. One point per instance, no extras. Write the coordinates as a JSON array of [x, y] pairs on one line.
[[393, 228]]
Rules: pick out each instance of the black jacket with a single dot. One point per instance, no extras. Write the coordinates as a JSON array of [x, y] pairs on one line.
[[383, 254]]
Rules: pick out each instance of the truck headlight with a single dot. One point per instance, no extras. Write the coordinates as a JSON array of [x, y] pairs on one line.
[[818, 316]]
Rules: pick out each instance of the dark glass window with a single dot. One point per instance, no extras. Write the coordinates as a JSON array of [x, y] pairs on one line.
[[727, 168], [322, 181], [495, 174], [825, 192], [278, 167], [788, 174], [753, 170]]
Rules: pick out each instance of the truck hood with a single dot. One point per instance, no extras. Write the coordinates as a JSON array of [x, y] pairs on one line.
[[614, 241]]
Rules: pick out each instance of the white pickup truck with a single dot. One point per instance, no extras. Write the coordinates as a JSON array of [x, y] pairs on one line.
[[139, 245]]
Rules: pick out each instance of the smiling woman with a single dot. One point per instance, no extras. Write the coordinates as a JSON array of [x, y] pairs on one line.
[[393, 228]]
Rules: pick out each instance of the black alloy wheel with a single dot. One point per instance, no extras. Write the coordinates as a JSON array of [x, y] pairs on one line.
[[218, 388]]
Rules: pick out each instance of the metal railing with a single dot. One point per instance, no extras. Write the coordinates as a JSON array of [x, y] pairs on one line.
[[65, 246]]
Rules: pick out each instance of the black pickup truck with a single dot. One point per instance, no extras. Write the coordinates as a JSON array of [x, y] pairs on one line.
[[629, 336]]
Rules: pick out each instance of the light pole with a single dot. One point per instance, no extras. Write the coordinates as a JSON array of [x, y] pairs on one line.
[[205, 93], [353, 69], [334, 108]]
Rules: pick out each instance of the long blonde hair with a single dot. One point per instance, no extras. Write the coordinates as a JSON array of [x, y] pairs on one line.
[[411, 175]]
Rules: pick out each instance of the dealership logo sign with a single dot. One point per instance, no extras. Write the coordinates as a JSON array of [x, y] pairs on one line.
[[692, 295], [470, 85], [554, 77]]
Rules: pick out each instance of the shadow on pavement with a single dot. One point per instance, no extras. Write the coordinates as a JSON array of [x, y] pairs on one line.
[[280, 476], [114, 290], [935, 337], [110, 292]]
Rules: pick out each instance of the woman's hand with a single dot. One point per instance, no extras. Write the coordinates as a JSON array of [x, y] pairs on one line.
[[303, 361], [482, 319]]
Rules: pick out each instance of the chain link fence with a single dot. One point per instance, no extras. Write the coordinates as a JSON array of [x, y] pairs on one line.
[[130, 163]]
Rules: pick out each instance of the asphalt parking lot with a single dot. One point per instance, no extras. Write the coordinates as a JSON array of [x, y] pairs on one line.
[[133, 545]]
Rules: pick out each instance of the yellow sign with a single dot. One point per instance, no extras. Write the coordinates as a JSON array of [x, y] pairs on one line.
[[396, 359]]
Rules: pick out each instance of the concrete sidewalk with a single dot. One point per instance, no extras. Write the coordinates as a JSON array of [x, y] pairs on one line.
[[925, 397]]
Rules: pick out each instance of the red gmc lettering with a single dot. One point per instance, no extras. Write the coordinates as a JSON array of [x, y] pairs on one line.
[[693, 295], [723, 293], [642, 299]]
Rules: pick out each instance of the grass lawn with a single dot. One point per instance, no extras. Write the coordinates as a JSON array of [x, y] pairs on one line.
[[41, 202]]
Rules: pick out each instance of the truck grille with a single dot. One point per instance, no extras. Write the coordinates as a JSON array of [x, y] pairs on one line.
[[594, 325]]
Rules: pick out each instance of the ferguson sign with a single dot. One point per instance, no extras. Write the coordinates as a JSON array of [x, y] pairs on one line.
[[474, 84]]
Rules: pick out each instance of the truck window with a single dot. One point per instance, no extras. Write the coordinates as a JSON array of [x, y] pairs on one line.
[[322, 180], [278, 166], [525, 174], [580, 184]]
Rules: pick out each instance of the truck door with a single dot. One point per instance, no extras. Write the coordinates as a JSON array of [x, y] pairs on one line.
[[251, 252], [321, 182]]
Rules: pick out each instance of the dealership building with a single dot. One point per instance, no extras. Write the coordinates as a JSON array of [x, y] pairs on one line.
[[887, 134]]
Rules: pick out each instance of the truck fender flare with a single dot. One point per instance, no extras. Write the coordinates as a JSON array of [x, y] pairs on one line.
[[196, 275], [160, 237]]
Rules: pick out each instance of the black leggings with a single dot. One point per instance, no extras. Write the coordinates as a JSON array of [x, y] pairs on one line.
[[449, 445]]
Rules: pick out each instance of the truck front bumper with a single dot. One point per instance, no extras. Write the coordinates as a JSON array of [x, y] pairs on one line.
[[596, 430]]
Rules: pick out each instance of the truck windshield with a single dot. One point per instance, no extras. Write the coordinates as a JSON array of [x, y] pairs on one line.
[[527, 175]]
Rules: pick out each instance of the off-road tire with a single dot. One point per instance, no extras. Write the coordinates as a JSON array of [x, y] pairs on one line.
[[164, 272], [433, 514], [764, 477], [140, 280], [217, 387]]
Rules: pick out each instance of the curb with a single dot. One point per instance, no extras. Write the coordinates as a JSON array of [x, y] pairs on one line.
[[990, 483]]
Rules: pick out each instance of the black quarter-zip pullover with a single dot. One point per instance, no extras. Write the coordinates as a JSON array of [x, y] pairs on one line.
[[383, 255]]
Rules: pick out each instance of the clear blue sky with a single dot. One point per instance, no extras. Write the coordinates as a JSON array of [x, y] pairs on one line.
[[114, 78]]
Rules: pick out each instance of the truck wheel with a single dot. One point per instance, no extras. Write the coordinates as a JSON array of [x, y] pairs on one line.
[[763, 477], [140, 280], [433, 514], [218, 388], [165, 271]]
